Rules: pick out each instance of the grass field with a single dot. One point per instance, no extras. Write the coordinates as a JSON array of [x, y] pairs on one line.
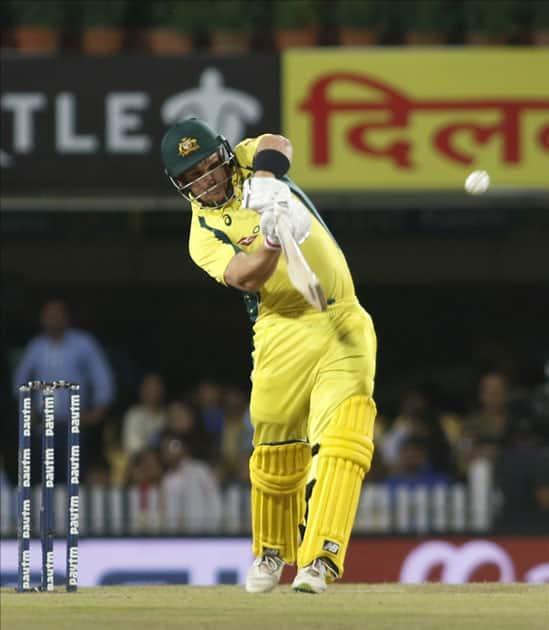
[[425, 607]]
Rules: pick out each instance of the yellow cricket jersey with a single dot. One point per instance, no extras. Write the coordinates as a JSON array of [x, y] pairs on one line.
[[218, 234]]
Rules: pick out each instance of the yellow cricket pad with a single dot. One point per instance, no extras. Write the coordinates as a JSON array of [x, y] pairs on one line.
[[278, 474], [344, 457]]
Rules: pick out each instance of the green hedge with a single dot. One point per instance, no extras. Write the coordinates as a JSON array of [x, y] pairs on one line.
[[96, 13], [232, 15], [491, 17], [366, 14], [380, 16], [431, 16], [494, 18], [288, 14], [36, 13], [186, 16]]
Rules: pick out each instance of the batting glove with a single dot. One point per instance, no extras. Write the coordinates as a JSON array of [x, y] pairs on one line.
[[297, 218], [261, 193], [300, 221]]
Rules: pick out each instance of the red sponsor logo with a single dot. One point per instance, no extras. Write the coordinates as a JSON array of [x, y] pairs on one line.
[[247, 240], [451, 560], [398, 107]]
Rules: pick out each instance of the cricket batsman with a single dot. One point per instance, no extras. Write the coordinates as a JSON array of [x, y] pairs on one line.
[[313, 372]]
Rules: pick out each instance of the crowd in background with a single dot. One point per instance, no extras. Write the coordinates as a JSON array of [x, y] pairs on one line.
[[172, 27], [196, 442]]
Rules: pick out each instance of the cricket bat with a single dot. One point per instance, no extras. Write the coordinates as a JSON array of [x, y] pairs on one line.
[[301, 275]]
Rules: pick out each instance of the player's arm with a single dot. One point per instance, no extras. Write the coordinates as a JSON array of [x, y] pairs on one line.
[[270, 162], [272, 156], [262, 192], [213, 251], [249, 272]]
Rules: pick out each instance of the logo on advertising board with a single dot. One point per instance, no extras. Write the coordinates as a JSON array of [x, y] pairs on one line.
[[225, 109], [54, 127], [416, 119], [141, 561], [459, 563], [217, 560]]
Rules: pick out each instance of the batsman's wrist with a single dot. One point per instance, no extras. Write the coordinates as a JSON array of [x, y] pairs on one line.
[[271, 244], [272, 161]]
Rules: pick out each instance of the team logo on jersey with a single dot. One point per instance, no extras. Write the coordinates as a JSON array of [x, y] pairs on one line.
[[187, 145], [247, 240]]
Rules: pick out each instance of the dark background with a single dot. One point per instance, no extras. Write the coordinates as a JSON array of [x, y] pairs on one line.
[[452, 292]]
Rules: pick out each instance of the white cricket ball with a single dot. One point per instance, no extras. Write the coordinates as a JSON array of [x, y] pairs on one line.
[[477, 182]]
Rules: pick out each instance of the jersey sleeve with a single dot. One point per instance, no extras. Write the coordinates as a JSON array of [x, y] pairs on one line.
[[245, 152], [210, 248]]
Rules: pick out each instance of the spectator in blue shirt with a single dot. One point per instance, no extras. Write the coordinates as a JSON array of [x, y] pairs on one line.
[[414, 468], [65, 353]]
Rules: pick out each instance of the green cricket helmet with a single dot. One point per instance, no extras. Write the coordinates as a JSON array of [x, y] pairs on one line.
[[188, 143]]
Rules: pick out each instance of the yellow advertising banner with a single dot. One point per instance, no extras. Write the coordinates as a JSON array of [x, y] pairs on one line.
[[409, 119]]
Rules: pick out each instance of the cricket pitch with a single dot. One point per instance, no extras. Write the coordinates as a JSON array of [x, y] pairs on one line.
[[368, 606]]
